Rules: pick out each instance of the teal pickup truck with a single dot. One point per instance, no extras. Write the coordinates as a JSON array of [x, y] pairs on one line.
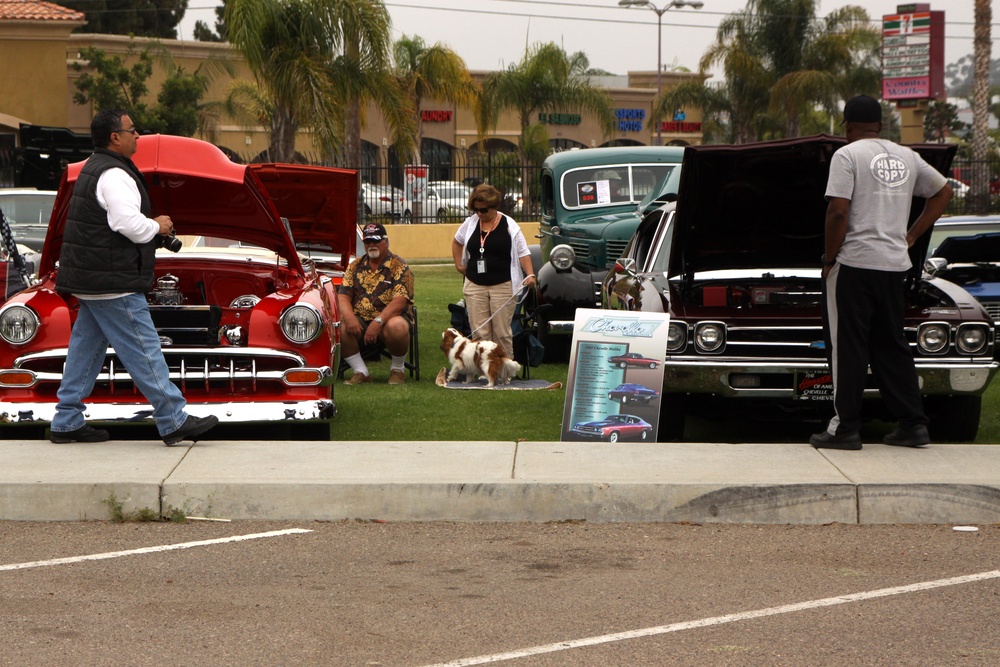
[[592, 201]]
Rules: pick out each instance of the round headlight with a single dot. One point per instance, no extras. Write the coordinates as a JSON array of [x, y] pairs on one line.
[[18, 324], [933, 337], [301, 323], [709, 336], [971, 339], [676, 336], [562, 257]]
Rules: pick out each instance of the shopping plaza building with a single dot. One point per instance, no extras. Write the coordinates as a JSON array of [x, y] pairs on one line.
[[39, 52]]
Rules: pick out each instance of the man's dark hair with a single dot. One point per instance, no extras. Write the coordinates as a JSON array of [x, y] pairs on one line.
[[104, 123]]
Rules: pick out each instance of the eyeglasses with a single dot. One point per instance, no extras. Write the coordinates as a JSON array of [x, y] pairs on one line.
[[133, 131], [372, 239], [481, 210]]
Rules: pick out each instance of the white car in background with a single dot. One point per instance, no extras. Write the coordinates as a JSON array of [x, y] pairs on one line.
[[386, 201], [447, 199], [958, 187]]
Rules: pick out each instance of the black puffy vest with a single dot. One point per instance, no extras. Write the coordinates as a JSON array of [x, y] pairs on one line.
[[94, 259]]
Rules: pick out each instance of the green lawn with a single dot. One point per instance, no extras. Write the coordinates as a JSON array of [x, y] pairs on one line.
[[423, 411]]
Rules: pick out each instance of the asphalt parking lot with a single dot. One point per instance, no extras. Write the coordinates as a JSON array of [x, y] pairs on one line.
[[525, 594]]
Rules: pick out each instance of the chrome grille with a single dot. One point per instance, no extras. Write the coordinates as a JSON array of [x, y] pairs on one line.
[[234, 370], [615, 250], [993, 308]]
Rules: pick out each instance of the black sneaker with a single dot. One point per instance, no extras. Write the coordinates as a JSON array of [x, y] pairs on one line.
[[190, 429], [914, 436], [840, 441], [83, 434]]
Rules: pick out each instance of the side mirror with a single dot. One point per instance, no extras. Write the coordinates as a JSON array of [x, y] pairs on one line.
[[626, 265], [934, 265]]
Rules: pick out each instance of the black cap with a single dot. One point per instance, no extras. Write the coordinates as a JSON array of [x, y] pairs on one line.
[[374, 231], [862, 109]]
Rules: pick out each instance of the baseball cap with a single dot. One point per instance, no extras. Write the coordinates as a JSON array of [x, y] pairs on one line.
[[862, 109], [374, 231]]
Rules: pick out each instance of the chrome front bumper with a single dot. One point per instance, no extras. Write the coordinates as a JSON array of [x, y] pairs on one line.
[[714, 376], [272, 411]]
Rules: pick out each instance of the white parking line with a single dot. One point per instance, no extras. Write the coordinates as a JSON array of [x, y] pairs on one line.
[[719, 620], [150, 550]]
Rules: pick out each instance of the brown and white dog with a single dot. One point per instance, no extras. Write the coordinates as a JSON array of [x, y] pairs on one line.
[[473, 358]]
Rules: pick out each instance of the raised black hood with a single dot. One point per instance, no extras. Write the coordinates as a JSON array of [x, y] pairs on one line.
[[762, 205]]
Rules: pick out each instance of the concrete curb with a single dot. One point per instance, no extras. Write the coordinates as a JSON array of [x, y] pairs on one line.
[[504, 481]]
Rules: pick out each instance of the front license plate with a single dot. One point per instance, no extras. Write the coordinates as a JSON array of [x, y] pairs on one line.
[[814, 386]]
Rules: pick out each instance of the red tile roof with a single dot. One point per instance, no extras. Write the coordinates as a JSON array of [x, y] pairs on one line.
[[35, 10]]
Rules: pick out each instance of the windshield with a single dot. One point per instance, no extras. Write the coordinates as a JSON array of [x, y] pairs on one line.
[[27, 208], [610, 185]]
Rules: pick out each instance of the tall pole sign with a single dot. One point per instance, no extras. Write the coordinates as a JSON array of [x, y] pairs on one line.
[[913, 54]]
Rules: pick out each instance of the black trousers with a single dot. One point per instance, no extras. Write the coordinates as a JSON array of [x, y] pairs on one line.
[[864, 310]]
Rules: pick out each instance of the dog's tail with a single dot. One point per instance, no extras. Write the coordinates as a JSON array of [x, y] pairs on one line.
[[511, 368]]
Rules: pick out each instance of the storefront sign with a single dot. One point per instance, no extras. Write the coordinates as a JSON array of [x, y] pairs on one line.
[[913, 54], [630, 120], [674, 126], [559, 118], [436, 116]]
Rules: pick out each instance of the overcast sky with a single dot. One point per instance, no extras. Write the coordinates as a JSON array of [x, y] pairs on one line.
[[492, 34]]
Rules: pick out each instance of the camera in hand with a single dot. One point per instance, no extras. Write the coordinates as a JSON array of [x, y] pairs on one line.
[[170, 242]]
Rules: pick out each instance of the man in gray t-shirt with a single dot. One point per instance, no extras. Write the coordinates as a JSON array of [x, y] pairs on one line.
[[869, 190]]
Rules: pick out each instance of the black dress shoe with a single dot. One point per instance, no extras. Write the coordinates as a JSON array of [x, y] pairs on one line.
[[840, 441], [914, 436], [190, 429], [83, 434]]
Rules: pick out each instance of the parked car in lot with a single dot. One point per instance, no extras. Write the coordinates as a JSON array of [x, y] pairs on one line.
[[966, 251], [249, 328], [386, 201], [736, 263], [592, 201], [632, 393], [614, 428], [446, 200]]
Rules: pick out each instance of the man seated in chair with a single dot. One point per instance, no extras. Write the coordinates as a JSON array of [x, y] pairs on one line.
[[374, 302]]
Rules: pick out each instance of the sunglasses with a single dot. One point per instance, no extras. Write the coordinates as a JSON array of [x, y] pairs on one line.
[[133, 131], [372, 239], [481, 210]]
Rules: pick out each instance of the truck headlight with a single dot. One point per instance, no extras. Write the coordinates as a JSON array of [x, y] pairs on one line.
[[562, 257], [18, 324], [301, 323], [932, 337], [972, 338], [710, 336]]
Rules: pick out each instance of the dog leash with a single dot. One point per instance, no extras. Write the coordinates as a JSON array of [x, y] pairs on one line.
[[520, 295]]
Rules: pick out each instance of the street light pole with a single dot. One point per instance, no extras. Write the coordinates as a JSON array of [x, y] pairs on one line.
[[694, 4]]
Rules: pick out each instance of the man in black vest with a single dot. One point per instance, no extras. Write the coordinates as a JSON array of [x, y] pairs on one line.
[[107, 262]]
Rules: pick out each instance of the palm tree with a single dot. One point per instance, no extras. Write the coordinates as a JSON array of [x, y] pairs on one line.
[[980, 194], [544, 80], [313, 61], [779, 60], [432, 71]]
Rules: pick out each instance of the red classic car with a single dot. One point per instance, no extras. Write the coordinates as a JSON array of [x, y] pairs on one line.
[[249, 327], [614, 428], [633, 359]]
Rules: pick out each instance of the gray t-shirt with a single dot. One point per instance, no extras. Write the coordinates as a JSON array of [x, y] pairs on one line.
[[880, 178]]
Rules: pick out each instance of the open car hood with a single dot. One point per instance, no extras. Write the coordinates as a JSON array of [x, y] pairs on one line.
[[320, 203], [762, 205], [206, 194]]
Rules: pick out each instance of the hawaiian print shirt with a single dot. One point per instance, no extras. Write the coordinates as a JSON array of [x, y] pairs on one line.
[[371, 290]]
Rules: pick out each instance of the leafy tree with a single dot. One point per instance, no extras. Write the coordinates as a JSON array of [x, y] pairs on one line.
[[313, 62], [941, 120], [179, 110], [544, 80], [143, 18], [203, 33]]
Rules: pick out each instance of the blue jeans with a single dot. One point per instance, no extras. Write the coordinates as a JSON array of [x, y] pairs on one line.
[[126, 325]]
